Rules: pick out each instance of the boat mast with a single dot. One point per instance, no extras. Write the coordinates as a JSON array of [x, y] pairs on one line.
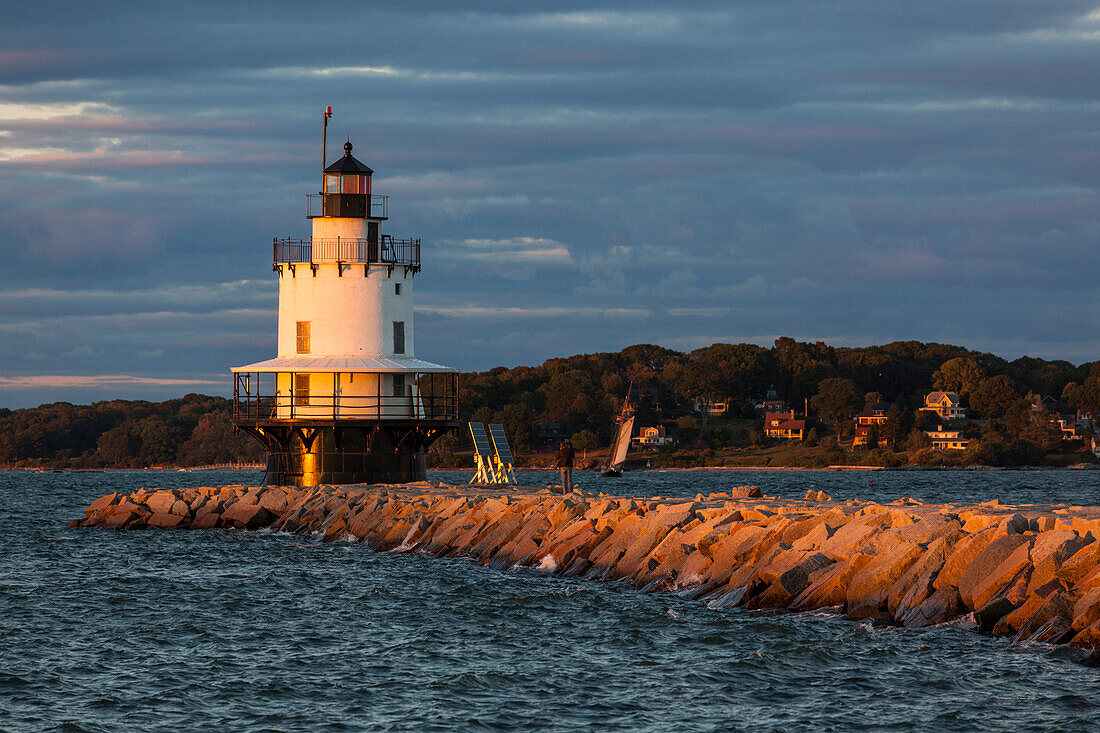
[[619, 421]]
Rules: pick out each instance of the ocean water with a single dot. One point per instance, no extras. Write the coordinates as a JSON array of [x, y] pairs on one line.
[[225, 630]]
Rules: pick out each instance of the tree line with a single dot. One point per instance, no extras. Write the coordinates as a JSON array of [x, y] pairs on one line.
[[584, 392], [188, 431]]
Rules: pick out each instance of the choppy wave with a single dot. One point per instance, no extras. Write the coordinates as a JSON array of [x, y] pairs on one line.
[[163, 630]]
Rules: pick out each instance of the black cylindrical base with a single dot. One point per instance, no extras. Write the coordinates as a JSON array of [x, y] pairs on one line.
[[302, 455]]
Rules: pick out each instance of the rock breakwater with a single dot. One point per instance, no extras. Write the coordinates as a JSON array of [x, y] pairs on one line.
[[1031, 572]]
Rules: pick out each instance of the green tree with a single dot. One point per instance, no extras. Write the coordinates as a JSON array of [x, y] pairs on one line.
[[645, 362], [1086, 396], [687, 422], [159, 441], [994, 396], [899, 422], [519, 425], [692, 379], [960, 375], [917, 441], [119, 446], [800, 367], [872, 437], [740, 370], [837, 399], [483, 414], [585, 440], [213, 441]]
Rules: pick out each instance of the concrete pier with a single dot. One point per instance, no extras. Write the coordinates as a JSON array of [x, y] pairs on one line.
[[1031, 572]]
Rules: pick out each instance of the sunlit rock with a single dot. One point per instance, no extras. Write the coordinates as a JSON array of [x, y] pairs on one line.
[[246, 516], [960, 557], [166, 521], [829, 586], [745, 492], [980, 571], [1013, 570], [871, 585], [1033, 574]]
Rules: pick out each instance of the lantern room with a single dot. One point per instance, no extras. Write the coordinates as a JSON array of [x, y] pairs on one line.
[[346, 188]]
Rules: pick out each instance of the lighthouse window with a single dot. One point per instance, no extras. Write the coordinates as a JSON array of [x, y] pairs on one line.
[[397, 288], [398, 385], [399, 337], [301, 389], [303, 337]]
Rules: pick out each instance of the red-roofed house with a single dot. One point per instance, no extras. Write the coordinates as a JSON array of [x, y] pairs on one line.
[[784, 425], [872, 417]]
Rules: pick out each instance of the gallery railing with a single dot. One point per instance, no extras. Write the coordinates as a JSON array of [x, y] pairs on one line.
[[387, 251], [428, 397]]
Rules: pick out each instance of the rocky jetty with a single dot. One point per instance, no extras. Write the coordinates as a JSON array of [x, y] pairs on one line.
[[1031, 572]]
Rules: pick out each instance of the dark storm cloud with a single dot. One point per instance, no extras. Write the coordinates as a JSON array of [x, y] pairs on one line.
[[585, 175]]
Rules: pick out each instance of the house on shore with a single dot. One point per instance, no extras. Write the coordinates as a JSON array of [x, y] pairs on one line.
[[872, 417], [784, 425], [771, 402], [651, 436], [1074, 427], [1046, 403], [947, 439], [550, 435], [945, 404], [712, 408]]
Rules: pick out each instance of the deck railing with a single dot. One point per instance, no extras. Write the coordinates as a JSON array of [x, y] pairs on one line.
[[256, 397], [388, 251]]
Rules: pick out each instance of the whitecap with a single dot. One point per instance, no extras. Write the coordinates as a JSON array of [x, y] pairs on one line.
[[693, 579], [405, 546]]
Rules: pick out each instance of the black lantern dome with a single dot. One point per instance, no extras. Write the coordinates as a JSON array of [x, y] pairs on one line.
[[349, 164], [346, 187]]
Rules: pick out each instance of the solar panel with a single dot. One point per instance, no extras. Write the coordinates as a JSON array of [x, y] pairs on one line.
[[481, 440], [500, 440]]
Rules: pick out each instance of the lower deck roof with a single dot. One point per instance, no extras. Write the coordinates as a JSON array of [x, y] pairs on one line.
[[317, 364]]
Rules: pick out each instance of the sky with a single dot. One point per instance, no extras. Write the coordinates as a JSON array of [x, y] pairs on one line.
[[584, 175]]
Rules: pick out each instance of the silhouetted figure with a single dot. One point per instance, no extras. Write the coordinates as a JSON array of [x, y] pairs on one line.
[[565, 463]]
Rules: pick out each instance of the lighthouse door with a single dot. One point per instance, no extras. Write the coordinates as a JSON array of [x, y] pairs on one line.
[[372, 241]]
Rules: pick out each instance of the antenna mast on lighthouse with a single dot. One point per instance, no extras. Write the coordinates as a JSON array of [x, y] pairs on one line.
[[324, 145]]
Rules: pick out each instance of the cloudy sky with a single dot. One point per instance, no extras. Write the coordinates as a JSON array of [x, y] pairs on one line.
[[586, 175]]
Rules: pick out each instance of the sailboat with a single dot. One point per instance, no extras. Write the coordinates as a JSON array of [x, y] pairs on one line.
[[617, 456]]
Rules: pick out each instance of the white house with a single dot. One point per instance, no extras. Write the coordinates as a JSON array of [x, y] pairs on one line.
[[947, 439], [945, 404], [651, 437]]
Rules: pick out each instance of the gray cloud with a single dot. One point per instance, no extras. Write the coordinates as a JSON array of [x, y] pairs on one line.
[[857, 173]]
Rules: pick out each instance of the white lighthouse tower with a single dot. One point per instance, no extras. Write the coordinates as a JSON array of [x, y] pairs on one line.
[[346, 400]]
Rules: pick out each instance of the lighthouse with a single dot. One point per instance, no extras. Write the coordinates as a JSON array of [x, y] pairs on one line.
[[345, 400]]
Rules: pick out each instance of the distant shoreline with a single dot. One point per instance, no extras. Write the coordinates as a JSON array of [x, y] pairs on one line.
[[184, 469], [778, 469], [899, 469]]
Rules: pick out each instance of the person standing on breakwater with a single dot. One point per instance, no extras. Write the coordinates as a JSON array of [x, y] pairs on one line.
[[565, 463]]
